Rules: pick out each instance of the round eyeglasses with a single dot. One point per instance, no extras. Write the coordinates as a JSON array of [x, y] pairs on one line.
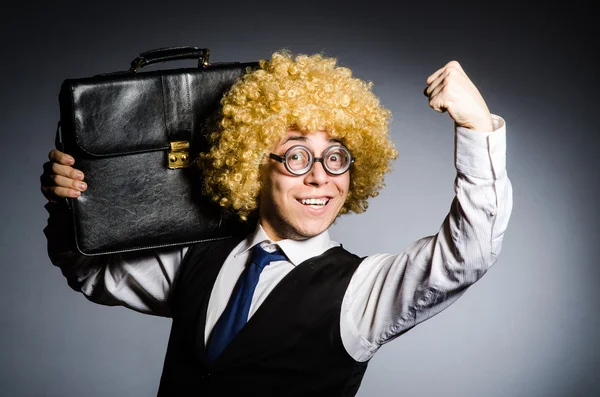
[[299, 159]]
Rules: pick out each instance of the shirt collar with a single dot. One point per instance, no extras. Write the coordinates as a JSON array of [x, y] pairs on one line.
[[295, 250]]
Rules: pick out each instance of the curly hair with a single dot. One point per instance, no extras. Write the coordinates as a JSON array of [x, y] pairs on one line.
[[305, 93]]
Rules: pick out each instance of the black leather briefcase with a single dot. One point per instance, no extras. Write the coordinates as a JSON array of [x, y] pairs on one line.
[[135, 136]]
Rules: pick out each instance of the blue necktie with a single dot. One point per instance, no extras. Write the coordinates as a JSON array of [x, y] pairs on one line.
[[236, 313]]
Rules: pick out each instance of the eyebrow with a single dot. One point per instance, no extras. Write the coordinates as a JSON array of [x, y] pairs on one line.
[[303, 138]]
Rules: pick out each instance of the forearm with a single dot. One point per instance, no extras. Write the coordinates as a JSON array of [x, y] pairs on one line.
[[389, 294], [140, 281], [470, 239]]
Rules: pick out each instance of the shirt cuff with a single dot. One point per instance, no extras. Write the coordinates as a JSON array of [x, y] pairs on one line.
[[481, 154]]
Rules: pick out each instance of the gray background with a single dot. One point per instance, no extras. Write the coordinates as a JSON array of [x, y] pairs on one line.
[[528, 328]]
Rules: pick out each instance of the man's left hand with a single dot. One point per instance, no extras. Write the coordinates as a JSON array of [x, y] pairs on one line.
[[450, 89]]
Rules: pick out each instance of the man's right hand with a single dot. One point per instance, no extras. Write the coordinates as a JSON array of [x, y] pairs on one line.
[[60, 179]]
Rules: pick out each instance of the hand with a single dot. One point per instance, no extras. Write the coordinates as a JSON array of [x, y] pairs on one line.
[[450, 89], [60, 179]]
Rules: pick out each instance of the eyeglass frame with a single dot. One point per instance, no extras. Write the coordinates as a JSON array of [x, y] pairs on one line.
[[312, 160]]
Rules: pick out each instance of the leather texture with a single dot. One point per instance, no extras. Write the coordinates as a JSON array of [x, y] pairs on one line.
[[118, 127]]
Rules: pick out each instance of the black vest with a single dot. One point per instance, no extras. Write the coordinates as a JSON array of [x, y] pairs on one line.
[[291, 346]]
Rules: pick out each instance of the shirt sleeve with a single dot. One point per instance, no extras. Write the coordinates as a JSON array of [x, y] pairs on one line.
[[140, 281], [389, 294]]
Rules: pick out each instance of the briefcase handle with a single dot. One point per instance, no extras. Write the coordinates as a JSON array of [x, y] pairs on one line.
[[170, 54]]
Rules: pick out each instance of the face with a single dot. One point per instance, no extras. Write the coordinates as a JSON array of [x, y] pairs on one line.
[[300, 207]]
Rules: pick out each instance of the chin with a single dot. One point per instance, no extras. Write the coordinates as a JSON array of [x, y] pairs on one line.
[[309, 232], [311, 229], [312, 226], [299, 231]]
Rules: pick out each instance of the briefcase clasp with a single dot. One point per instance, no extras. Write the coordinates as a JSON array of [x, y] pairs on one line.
[[178, 155]]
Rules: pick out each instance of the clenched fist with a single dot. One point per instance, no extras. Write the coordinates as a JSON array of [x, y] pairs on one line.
[[450, 90]]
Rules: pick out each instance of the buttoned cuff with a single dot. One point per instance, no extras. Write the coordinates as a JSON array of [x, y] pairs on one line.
[[481, 154]]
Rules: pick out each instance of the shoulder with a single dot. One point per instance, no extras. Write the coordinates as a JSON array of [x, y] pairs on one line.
[[227, 239], [338, 255]]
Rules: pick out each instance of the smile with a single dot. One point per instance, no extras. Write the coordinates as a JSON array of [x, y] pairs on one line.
[[315, 202]]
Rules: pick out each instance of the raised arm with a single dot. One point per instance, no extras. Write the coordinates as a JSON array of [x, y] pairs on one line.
[[140, 281], [391, 293]]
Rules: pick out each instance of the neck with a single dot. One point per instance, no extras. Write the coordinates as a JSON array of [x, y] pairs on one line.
[[273, 236]]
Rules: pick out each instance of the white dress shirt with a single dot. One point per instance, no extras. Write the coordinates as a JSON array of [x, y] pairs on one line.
[[388, 294]]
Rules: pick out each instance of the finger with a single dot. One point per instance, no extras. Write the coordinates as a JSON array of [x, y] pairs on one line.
[[440, 100], [61, 181], [440, 104], [434, 75], [66, 170], [55, 193], [59, 157], [455, 65], [439, 82], [445, 94], [436, 93], [450, 75], [449, 68], [452, 83]]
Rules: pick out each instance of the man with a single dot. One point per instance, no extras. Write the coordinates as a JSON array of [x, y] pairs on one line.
[[300, 142]]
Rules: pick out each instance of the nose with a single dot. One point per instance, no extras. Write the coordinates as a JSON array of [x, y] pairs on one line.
[[317, 176]]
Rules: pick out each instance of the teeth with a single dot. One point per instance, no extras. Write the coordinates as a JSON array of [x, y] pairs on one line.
[[314, 201]]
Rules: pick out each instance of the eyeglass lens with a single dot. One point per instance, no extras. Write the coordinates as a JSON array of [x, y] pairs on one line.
[[336, 159]]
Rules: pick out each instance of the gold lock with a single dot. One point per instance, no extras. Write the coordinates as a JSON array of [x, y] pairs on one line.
[[178, 156]]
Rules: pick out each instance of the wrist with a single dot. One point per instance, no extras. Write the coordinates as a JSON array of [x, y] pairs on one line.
[[482, 125]]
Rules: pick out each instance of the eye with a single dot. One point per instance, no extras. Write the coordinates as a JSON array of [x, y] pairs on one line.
[[298, 158], [335, 160]]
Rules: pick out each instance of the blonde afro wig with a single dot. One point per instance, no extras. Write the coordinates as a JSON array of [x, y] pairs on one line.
[[304, 93]]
